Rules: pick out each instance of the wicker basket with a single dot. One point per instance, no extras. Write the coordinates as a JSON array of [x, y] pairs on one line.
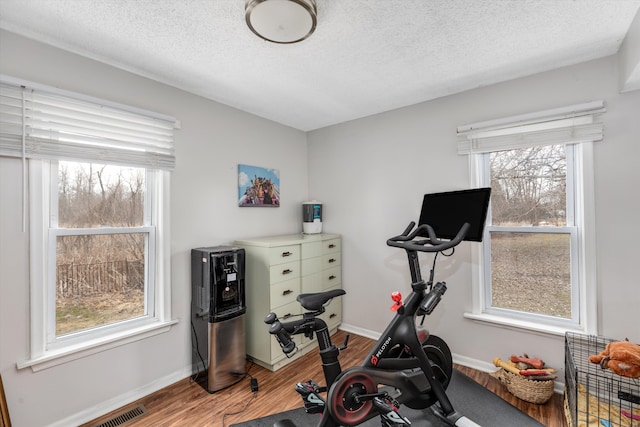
[[533, 391]]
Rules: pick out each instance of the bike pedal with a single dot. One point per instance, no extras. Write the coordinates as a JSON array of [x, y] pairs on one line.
[[314, 385], [313, 409], [313, 404], [306, 388], [388, 408], [302, 389]]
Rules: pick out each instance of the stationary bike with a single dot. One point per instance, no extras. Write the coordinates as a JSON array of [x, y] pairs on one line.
[[406, 366]]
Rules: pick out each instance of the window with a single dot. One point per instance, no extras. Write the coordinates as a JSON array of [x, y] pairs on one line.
[[531, 233], [96, 179], [536, 262], [101, 229]]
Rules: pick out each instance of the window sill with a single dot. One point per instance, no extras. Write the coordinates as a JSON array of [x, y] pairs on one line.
[[517, 324], [59, 356]]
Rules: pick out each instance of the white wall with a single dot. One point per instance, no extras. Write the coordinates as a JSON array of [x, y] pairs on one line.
[[371, 174], [204, 212]]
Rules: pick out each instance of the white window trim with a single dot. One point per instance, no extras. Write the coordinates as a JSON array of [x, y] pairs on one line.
[[585, 209], [42, 357]]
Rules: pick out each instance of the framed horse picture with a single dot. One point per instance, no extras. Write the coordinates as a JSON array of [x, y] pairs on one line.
[[258, 186]]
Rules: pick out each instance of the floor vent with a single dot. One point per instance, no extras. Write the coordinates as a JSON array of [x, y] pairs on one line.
[[124, 417]]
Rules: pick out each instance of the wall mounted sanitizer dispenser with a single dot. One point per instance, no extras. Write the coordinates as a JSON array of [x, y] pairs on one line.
[[312, 217]]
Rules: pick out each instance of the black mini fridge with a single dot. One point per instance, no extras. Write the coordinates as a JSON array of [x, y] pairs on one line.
[[218, 315]]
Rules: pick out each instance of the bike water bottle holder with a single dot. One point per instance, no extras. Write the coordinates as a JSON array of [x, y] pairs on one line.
[[433, 298]]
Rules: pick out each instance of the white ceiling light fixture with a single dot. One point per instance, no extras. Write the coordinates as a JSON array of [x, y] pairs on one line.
[[281, 21]]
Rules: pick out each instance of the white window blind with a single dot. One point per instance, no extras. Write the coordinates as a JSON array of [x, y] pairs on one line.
[[45, 123], [567, 125]]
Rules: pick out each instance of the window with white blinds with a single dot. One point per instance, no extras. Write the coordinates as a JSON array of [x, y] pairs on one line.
[[100, 248], [540, 232], [46, 123], [566, 125]]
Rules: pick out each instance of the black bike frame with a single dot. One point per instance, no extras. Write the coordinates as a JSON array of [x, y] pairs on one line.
[[401, 331], [413, 375]]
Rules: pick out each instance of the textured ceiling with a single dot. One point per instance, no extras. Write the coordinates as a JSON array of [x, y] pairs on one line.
[[366, 56]]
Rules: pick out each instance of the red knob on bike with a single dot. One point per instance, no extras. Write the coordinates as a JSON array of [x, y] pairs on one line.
[[397, 299]]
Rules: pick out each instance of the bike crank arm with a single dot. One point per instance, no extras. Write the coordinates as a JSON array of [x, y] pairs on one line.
[[365, 397]]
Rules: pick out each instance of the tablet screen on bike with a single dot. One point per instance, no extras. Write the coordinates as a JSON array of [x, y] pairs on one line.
[[447, 212]]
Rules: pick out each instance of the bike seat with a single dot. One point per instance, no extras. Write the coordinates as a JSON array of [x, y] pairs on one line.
[[314, 301]]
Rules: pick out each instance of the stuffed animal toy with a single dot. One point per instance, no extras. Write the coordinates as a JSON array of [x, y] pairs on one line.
[[621, 357]]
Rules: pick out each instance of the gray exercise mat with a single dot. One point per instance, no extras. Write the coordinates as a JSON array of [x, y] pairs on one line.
[[468, 398]]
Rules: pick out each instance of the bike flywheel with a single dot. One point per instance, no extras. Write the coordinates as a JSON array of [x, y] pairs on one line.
[[439, 355], [344, 406]]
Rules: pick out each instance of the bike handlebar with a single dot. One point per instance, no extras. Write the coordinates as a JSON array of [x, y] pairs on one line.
[[282, 336], [431, 244]]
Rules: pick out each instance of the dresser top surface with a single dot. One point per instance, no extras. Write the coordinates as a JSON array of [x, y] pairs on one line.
[[288, 239]]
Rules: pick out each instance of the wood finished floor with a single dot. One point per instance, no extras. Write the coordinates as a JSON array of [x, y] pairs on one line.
[[186, 403]]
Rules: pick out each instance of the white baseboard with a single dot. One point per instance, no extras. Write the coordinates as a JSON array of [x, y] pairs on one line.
[[124, 399], [479, 365], [359, 331]]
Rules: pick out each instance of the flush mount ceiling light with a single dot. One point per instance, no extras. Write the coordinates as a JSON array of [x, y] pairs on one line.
[[281, 21]]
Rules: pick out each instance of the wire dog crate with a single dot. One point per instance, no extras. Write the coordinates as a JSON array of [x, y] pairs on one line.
[[596, 397]]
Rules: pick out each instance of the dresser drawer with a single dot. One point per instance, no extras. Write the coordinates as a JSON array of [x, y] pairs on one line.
[[311, 249], [283, 254], [331, 277], [284, 292], [311, 266], [280, 272], [311, 283], [332, 245], [331, 260]]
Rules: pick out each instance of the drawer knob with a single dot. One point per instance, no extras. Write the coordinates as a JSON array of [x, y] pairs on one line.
[[287, 292], [331, 246], [332, 315], [286, 316], [332, 277], [287, 271], [332, 260], [286, 254]]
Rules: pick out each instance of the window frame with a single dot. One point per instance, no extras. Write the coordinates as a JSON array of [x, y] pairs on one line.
[[45, 352], [148, 229], [583, 270]]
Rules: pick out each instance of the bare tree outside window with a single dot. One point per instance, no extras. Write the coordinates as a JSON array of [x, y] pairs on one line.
[[530, 266], [92, 195], [100, 277], [529, 186]]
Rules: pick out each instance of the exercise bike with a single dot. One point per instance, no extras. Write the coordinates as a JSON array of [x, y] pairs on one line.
[[407, 365]]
